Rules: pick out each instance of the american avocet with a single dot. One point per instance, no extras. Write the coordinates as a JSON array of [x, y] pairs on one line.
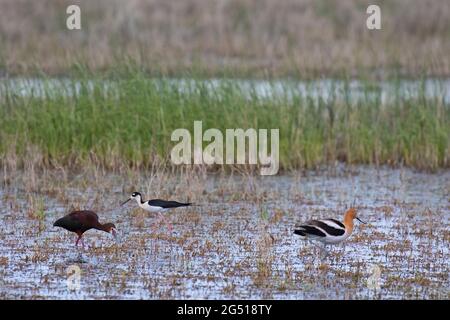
[[156, 205], [82, 221], [328, 231]]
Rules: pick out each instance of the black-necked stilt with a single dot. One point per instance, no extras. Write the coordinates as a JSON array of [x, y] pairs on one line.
[[82, 221], [156, 205], [328, 231]]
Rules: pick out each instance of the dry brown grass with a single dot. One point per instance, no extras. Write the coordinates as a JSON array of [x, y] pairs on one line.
[[258, 37]]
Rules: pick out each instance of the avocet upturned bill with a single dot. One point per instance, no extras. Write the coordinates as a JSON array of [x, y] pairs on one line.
[[328, 231], [156, 205]]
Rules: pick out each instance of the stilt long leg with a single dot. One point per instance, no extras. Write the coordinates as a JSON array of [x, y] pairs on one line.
[[168, 223], [157, 222]]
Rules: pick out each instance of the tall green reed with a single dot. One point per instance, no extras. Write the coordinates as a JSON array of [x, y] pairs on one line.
[[127, 120]]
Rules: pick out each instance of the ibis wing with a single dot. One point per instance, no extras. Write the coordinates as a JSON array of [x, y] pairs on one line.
[[87, 213], [84, 219], [70, 222]]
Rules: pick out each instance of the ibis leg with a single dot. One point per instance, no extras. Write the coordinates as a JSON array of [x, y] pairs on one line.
[[78, 239]]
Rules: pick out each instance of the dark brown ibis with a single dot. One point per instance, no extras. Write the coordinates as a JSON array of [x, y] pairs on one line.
[[82, 221]]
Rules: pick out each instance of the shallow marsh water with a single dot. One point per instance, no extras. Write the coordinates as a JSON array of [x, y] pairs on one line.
[[325, 89], [237, 242]]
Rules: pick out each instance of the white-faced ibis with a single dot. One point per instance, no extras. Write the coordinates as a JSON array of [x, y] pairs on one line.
[[82, 221], [156, 205], [328, 231]]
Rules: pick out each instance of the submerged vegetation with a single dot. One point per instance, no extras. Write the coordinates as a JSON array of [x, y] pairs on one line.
[[127, 121]]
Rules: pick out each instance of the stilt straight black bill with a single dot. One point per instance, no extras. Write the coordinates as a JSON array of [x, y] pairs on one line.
[[124, 202], [361, 220]]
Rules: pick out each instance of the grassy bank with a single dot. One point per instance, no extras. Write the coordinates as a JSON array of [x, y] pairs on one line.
[[127, 122]]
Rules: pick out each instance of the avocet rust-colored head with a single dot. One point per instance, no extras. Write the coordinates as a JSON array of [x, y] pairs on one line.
[[352, 214]]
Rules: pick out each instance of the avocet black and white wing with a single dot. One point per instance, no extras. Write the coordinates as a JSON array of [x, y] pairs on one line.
[[325, 230]]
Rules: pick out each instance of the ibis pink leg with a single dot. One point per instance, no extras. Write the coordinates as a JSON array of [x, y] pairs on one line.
[[76, 242]]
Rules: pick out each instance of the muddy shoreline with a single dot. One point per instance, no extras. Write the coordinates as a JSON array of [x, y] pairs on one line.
[[236, 244]]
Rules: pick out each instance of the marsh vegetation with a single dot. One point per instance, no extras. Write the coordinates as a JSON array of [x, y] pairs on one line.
[[127, 120], [238, 241]]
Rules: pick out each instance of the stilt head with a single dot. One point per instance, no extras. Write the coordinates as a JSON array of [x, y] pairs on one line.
[[134, 195]]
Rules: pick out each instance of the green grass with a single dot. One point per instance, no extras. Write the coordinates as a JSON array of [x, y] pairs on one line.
[[130, 124]]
